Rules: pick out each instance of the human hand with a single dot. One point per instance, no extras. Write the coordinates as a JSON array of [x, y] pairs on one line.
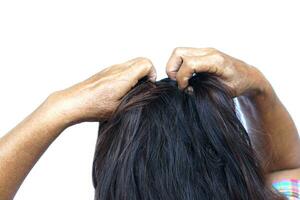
[[240, 77], [97, 97]]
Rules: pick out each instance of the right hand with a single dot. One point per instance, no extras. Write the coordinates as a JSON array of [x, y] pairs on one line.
[[240, 77], [97, 97]]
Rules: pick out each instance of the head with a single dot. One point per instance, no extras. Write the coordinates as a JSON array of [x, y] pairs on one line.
[[164, 143]]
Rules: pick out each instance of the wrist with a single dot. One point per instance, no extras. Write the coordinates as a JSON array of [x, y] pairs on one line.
[[263, 93], [259, 85], [53, 110]]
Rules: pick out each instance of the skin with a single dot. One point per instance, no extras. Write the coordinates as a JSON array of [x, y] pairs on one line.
[[93, 99], [97, 97], [271, 128]]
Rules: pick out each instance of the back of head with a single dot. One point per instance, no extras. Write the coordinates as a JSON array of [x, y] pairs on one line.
[[166, 144]]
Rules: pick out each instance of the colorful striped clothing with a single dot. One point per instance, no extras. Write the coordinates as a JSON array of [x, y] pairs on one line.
[[288, 187]]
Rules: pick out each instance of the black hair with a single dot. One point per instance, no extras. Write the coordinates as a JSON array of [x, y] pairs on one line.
[[163, 143]]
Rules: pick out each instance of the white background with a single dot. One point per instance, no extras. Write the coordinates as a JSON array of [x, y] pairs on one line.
[[49, 45]]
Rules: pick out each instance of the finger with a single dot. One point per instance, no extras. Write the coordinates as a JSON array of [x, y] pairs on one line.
[[152, 74], [176, 59], [132, 61], [120, 67], [173, 64], [193, 65], [143, 67]]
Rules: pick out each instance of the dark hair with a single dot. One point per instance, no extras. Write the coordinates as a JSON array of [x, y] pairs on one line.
[[166, 144]]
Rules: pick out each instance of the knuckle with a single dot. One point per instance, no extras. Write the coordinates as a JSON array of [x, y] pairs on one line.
[[143, 61], [168, 69], [190, 63], [209, 50], [219, 58], [139, 59], [178, 50]]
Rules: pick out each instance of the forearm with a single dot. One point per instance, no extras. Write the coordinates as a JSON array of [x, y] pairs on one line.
[[93, 99], [21, 147], [272, 130]]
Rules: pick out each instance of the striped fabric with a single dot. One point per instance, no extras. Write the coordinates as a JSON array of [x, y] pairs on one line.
[[288, 187]]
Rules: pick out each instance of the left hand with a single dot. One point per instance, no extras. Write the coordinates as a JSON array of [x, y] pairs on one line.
[[240, 77]]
